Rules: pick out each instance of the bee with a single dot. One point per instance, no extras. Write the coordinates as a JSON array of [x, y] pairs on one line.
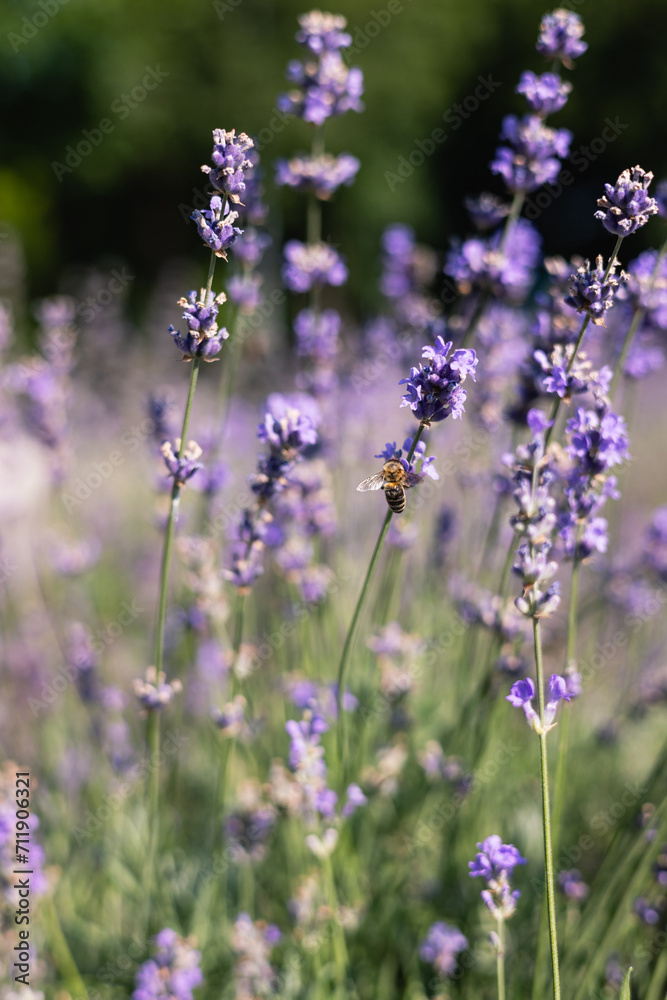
[[394, 480]]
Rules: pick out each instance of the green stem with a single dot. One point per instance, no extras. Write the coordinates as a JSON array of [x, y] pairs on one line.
[[339, 946], [514, 213], [344, 663], [546, 818], [500, 959], [238, 638], [153, 743], [584, 324], [314, 210], [169, 533], [209, 276]]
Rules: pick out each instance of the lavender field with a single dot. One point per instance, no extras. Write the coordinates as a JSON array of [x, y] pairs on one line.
[[333, 621]]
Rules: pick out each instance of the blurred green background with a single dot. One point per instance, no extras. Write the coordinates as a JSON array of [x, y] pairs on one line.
[[65, 66]]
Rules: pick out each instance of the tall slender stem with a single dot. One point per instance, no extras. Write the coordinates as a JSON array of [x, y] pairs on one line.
[[343, 665], [546, 816], [500, 959], [169, 533], [584, 324], [339, 946]]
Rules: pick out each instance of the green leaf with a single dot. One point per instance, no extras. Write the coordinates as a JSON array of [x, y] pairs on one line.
[[625, 988]]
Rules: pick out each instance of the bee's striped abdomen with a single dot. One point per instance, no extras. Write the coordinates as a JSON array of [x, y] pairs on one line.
[[395, 498]]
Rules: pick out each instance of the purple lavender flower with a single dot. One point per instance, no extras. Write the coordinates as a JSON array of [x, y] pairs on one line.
[[487, 211], [230, 719], [251, 248], [419, 464], [155, 692], [321, 32], [573, 885], [647, 287], [308, 264], [247, 549], [255, 210], [661, 198], [217, 233], [434, 390], [626, 205], [230, 163], [317, 334], [322, 174], [481, 264], [545, 94], [82, 655], [533, 155], [591, 292], [172, 973], [647, 912], [245, 292], [598, 440], [286, 429], [398, 245], [441, 946], [252, 943], [203, 339], [324, 87], [566, 375], [495, 860], [181, 468], [560, 37], [644, 358], [495, 863], [306, 758], [522, 693], [355, 799]]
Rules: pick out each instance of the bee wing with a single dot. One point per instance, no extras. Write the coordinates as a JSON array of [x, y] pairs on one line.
[[412, 479], [373, 483]]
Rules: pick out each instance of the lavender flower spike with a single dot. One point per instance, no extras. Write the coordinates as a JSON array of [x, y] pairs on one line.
[[229, 163], [522, 693], [184, 467], [155, 692], [560, 37], [495, 863], [217, 233], [203, 339], [441, 946], [172, 973], [626, 205], [434, 390], [591, 293]]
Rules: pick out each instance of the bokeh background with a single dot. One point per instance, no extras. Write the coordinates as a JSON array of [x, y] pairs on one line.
[[225, 64]]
